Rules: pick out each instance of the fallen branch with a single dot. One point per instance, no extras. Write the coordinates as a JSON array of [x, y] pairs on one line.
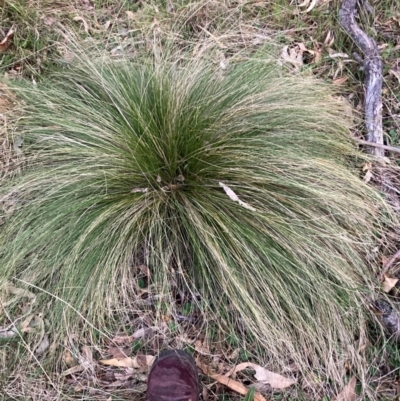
[[378, 145], [372, 65]]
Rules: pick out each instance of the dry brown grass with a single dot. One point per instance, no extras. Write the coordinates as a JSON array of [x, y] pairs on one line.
[[7, 153]]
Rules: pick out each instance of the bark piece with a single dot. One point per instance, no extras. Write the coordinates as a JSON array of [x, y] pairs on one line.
[[372, 66]]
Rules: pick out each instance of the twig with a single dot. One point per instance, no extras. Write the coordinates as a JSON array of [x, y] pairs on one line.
[[378, 145], [372, 65]]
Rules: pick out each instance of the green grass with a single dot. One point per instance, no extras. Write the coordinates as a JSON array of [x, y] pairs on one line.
[[38, 47], [124, 165]]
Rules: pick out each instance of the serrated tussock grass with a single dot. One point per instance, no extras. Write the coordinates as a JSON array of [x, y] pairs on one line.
[[124, 166]]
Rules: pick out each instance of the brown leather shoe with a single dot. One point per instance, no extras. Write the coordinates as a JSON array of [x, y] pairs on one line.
[[173, 377]]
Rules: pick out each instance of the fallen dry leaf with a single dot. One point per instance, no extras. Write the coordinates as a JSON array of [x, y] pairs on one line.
[[303, 49], [388, 283], [293, 56], [31, 323], [7, 41], [263, 375], [230, 383], [130, 15], [201, 347], [68, 359], [204, 393], [136, 362], [235, 198], [42, 345], [368, 176], [349, 391], [25, 325], [337, 55], [304, 3], [340, 81], [9, 289], [5, 333], [310, 4], [329, 40], [234, 354]]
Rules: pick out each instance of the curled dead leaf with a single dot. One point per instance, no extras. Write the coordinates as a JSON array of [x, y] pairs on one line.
[[230, 383], [340, 81], [263, 375], [235, 198], [310, 4], [7, 40], [329, 39], [293, 55], [136, 362]]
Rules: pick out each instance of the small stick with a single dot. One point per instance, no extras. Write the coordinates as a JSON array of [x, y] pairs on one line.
[[377, 145]]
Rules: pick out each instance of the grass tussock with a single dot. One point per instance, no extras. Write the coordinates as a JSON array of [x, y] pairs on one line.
[[125, 165]]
